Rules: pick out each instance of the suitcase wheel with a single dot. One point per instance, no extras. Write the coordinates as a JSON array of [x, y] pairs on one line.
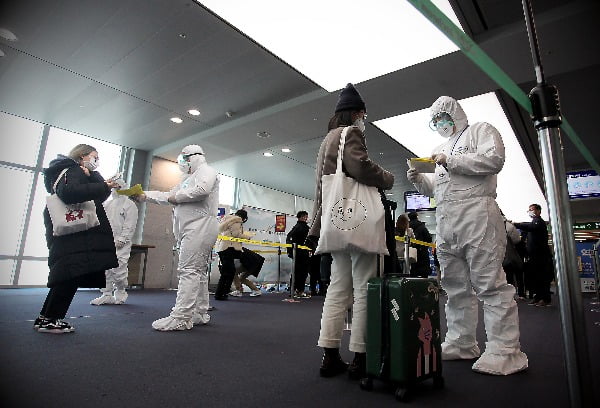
[[366, 384], [438, 382], [402, 394]]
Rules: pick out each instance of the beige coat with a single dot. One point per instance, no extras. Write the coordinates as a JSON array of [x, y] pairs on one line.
[[355, 164], [231, 226]]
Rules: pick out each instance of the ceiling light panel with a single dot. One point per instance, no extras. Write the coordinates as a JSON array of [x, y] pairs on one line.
[[380, 47]]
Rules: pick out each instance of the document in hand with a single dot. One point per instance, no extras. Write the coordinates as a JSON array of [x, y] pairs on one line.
[[135, 190], [422, 164]]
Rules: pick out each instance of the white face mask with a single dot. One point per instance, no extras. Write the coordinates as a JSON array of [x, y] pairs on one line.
[[445, 128], [91, 164], [531, 214], [359, 123]]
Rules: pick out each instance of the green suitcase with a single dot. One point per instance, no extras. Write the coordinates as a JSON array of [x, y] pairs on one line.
[[403, 333]]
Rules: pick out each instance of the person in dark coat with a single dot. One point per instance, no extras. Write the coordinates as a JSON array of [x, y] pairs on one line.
[[78, 259], [538, 267], [422, 267], [298, 235]]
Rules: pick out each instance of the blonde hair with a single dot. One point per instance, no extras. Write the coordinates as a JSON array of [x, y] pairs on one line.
[[81, 150]]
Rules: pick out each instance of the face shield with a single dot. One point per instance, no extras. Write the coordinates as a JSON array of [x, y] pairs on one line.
[[440, 120]]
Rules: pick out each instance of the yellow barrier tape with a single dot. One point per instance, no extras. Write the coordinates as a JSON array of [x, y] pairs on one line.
[[415, 241], [261, 243]]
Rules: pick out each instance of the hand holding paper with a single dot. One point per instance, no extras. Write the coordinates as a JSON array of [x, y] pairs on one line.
[[422, 164], [135, 190]]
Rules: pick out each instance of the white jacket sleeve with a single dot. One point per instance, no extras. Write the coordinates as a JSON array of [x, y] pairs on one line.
[[487, 157], [201, 186], [512, 233], [424, 185], [160, 197]]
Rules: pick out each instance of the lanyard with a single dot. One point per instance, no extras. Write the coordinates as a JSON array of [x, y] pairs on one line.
[[457, 139]]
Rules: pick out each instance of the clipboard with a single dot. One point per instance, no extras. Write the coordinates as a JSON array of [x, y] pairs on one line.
[[422, 164], [135, 190]]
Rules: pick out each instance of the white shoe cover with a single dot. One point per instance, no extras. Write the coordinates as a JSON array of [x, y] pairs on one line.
[[200, 318], [501, 364], [171, 324], [105, 299], [453, 352], [235, 293], [256, 293], [120, 296]]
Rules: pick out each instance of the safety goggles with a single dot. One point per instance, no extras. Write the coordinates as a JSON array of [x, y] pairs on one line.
[[183, 158], [440, 120]]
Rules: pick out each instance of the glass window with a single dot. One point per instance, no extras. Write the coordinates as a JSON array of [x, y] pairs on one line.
[[27, 133], [226, 189], [35, 244], [33, 273], [13, 206], [61, 142], [6, 271]]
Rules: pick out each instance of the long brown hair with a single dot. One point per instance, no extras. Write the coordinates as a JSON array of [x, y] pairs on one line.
[[402, 225]]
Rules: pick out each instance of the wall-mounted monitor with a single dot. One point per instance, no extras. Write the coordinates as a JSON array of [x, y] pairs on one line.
[[415, 201], [583, 184]]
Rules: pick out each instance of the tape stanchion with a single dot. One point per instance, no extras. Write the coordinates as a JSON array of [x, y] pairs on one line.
[[489, 67]]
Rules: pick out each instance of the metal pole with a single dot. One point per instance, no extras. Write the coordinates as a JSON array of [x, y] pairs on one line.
[[278, 269], [406, 253], [547, 119]]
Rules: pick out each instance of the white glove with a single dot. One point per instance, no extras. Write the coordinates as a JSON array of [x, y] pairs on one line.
[[412, 175], [120, 243]]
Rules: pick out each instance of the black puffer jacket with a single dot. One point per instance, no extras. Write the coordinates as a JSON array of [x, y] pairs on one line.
[[87, 254]]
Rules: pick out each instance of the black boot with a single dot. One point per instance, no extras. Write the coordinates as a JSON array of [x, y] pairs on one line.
[[332, 364], [358, 368]]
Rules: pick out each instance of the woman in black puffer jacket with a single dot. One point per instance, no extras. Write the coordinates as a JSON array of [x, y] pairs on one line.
[[79, 259]]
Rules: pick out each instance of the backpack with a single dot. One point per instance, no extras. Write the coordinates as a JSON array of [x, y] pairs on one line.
[[289, 239]]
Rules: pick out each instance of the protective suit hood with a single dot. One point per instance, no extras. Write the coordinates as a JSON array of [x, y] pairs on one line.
[[196, 156], [452, 107]]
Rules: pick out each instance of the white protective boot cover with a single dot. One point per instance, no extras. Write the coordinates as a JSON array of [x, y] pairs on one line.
[[120, 296], [200, 318], [105, 299], [453, 352], [170, 323]]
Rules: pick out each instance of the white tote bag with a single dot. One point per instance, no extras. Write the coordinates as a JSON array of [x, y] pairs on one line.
[[352, 214], [70, 218]]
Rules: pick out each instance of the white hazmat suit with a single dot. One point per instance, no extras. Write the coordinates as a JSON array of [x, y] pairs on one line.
[[195, 226], [122, 214], [471, 242]]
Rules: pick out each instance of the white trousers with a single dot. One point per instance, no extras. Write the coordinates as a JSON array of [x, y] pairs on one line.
[[116, 278], [350, 272], [192, 270]]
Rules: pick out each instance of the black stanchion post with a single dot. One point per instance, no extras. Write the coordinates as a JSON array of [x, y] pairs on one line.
[[547, 118], [293, 277]]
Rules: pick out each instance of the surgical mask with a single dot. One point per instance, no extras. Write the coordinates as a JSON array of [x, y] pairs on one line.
[[531, 214], [359, 123], [443, 124], [445, 129], [91, 164], [184, 165]]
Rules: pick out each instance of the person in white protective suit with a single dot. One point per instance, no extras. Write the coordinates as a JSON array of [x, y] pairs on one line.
[[122, 214], [471, 240], [195, 202]]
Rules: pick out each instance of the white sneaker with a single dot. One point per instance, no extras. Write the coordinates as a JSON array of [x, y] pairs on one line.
[[120, 296], [200, 318], [236, 293], [170, 323], [105, 299], [256, 293]]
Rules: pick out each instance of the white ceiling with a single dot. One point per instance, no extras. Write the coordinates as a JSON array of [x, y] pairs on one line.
[[117, 70]]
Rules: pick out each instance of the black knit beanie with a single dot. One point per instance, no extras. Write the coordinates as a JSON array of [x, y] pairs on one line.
[[350, 99]]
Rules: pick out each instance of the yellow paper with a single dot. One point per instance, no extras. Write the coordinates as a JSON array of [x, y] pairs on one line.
[[422, 164], [135, 190]]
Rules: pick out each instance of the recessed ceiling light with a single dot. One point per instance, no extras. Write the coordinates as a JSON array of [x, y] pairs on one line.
[[268, 154], [7, 35], [286, 150], [176, 120], [194, 112], [263, 134], [182, 35]]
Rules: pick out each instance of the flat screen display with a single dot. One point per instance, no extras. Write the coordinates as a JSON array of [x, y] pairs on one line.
[[583, 184], [415, 201]]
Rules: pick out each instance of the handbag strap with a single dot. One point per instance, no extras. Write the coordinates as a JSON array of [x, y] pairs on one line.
[[340, 155], [57, 179]]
